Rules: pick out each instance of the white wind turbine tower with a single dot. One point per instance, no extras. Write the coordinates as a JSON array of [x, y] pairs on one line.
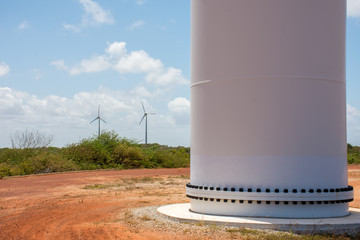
[[145, 116], [100, 119]]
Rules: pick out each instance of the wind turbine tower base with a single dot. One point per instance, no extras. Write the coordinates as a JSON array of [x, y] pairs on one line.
[[268, 109], [342, 225]]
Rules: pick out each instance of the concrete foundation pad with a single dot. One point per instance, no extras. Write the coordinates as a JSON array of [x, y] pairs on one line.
[[349, 224]]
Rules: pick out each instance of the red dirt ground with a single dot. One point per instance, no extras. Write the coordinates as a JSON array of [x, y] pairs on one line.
[[95, 204]]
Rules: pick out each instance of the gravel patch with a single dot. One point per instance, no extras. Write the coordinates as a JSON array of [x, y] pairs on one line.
[[148, 217]]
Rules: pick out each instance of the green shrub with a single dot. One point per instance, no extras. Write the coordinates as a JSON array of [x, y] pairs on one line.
[[50, 162], [88, 153], [170, 158], [353, 154], [129, 157], [45, 163], [5, 170], [16, 156], [93, 151], [106, 151]]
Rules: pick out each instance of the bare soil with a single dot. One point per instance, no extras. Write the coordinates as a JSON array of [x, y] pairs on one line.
[[102, 205]]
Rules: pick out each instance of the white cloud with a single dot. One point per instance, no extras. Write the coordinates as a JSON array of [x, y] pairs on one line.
[[353, 8], [60, 64], [353, 125], [4, 69], [180, 109], [68, 119], [54, 111], [142, 92], [37, 73], [24, 25], [117, 57], [352, 113], [167, 77], [179, 105], [48, 108], [138, 62], [117, 49], [10, 103], [140, 2], [94, 64], [136, 24], [94, 15], [72, 27]]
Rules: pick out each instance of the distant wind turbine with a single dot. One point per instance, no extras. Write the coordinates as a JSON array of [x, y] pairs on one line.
[[145, 116], [100, 119]]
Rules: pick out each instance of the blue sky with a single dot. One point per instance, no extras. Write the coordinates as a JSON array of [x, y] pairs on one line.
[[60, 60]]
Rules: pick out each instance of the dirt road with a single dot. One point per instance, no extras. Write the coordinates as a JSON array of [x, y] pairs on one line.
[[98, 204]]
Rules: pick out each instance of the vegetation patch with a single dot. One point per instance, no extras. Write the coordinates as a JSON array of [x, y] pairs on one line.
[[97, 186], [127, 184], [353, 154], [103, 152]]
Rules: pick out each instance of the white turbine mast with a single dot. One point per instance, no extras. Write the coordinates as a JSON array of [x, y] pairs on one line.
[[145, 116], [99, 119]]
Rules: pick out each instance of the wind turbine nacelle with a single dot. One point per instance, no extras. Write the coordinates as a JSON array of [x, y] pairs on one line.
[[268, 110]]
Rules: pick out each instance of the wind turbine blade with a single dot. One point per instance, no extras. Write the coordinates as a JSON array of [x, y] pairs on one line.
[[103, 120], [143, 107], [142, 118], [152, 113], [99, 111], [94, 120]]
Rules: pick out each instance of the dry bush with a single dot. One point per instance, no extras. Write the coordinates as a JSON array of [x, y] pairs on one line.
[[30, 139]]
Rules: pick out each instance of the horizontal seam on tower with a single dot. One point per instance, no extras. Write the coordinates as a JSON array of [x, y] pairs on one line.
[[271, 77]]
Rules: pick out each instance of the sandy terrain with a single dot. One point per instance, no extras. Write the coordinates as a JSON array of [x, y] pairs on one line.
[[101, 205]]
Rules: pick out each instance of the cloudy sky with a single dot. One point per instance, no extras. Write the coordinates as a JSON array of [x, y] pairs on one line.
[[60, 60]]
